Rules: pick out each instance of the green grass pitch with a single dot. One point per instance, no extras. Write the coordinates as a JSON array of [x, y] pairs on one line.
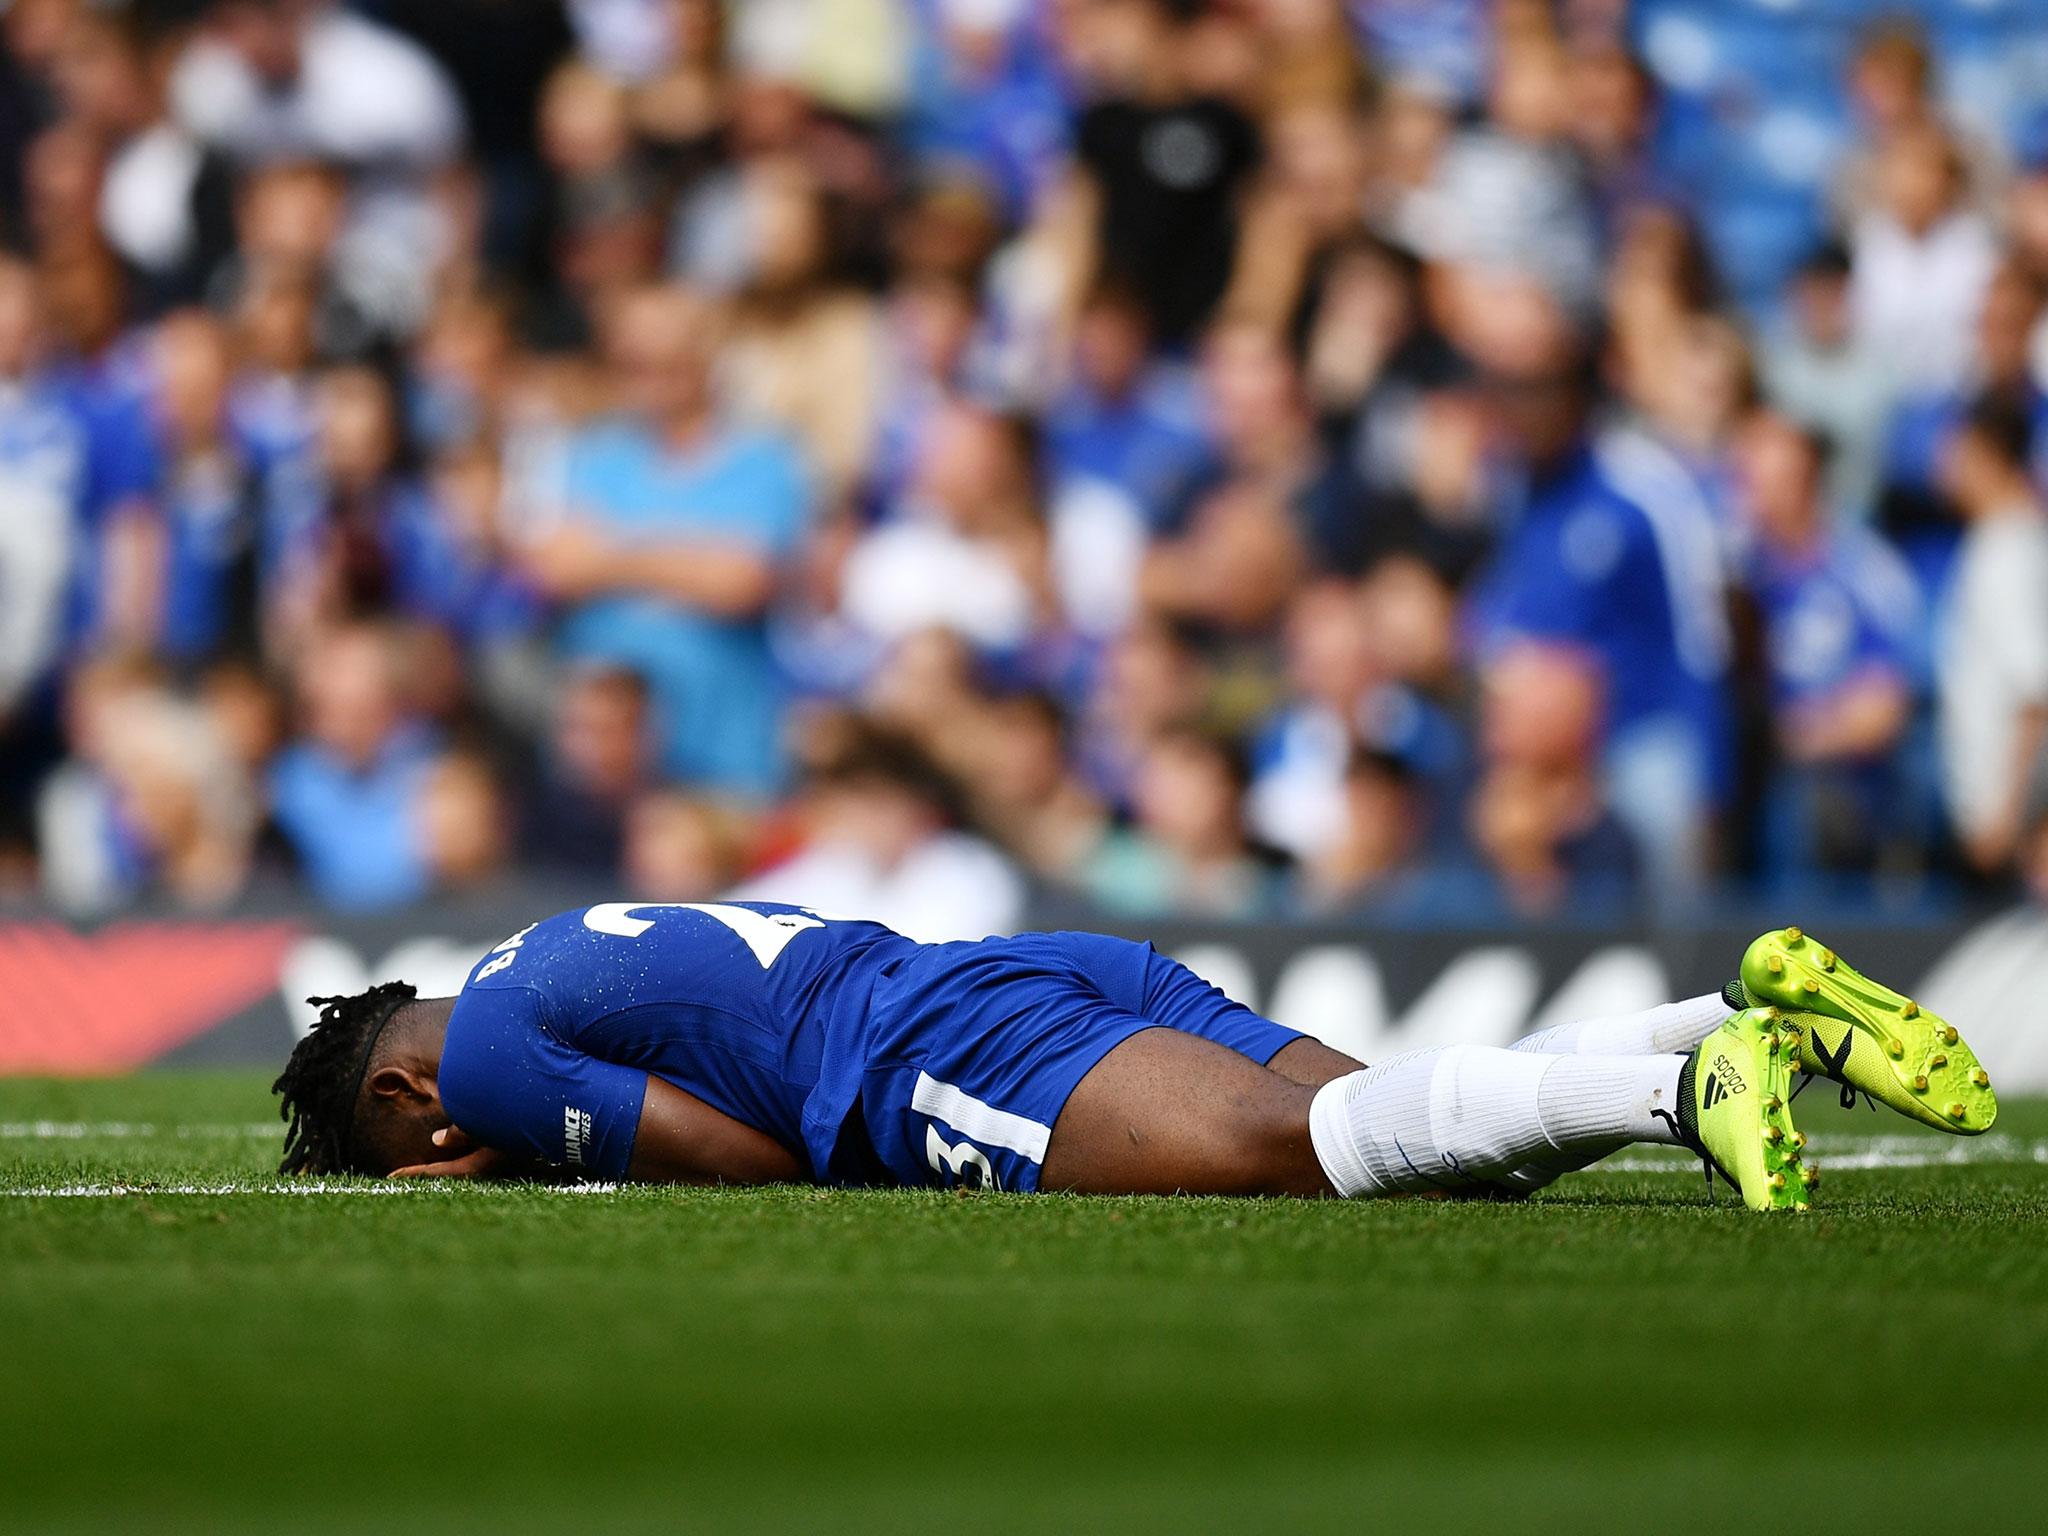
[[208, 1352]]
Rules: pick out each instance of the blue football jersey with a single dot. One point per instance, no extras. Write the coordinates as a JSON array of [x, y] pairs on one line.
[[759, 1009]]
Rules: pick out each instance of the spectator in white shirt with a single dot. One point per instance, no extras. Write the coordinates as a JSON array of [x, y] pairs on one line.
[[1993, 660], [966, 550], [305, 79], [274, 81], [1922, 257]]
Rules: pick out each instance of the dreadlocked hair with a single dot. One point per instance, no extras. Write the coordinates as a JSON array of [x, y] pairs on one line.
[[320, 1083]]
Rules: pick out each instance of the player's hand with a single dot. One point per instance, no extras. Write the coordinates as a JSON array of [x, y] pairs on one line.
[[470, 1160]]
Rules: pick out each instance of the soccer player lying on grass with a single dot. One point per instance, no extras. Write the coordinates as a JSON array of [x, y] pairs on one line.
[[756, 1042]]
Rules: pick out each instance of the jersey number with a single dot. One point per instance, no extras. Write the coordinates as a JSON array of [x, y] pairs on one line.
[[767, 934], [958, 1160]]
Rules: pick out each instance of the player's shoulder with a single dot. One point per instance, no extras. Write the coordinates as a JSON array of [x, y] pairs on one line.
[[514, 961]]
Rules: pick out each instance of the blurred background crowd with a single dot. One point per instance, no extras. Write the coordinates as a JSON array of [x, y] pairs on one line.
[[1403, 461]]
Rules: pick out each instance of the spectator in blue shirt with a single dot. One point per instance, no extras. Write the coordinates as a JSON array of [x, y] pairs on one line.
[[43, 469], [1595, 560], [1839, 615], [207, 593], [99, 375], [1264, 439], [348, 794], [676, 527], [985, 92], [1121, 419], [271, 403], [1340, 700]]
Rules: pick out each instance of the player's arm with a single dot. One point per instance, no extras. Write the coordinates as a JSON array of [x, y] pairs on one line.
[[521, 1098], [683, 1140]]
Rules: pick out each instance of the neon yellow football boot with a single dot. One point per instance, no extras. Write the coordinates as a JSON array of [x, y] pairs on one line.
[[1734, 1107], [1867, 1037]]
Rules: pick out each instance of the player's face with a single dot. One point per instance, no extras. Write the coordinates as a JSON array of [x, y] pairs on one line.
[[398, 1121]]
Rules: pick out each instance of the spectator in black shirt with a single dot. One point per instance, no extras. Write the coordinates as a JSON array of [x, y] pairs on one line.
[[498, 54], [1164, 166]]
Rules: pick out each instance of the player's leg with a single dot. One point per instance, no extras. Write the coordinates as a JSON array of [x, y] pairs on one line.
[[1313, 1063], [1166, 1112], [1471, 1119], [1136, 977], [1032, 1078], [1665, 1030], [1467, 1117]]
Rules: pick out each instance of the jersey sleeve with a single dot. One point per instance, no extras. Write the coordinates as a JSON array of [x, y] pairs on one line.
[[510, 1082]]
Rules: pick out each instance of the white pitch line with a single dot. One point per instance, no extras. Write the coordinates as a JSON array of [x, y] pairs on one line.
[[1866, 1153], [145, 1191], [85, 1130], [400, 1187]]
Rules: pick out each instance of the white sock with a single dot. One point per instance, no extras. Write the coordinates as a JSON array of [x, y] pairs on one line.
[[1466, 1117], [1585, 1094], [1660, 1031]]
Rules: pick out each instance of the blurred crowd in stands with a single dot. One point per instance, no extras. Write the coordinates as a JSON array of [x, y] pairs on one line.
[[1403, 461]]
